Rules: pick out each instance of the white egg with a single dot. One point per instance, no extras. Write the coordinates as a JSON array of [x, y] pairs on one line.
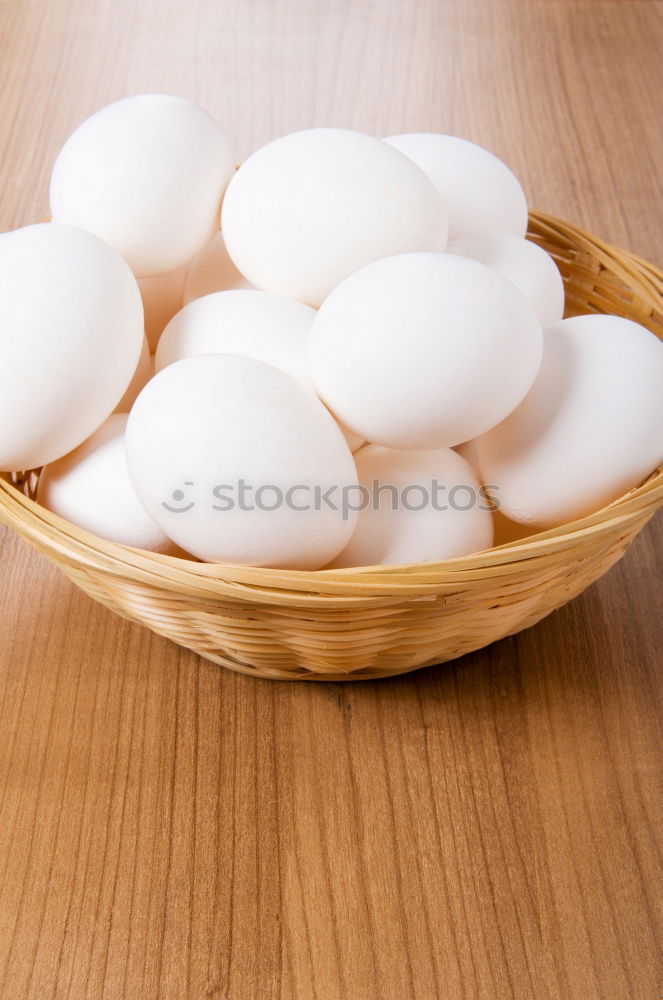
[[245, 321], [213, 271], [310, 208], [147, 175], [256, 324], [237, 462], [91, 488], [481, 193], [527, 265], [590, 428], [72, 329], [142, 375], [424, 350], [416, 506], [162, 297]]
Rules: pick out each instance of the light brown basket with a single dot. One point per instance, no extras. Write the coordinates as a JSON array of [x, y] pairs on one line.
[[380, 621]]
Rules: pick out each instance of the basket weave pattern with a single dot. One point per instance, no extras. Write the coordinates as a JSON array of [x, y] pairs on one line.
[[380, 621]]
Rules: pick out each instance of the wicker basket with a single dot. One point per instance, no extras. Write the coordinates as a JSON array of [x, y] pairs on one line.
[[381, 621]]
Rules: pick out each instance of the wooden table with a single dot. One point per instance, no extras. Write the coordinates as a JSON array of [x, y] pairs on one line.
[[485, 829]]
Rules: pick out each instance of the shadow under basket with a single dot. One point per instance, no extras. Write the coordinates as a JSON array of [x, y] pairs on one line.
[[376, 621]]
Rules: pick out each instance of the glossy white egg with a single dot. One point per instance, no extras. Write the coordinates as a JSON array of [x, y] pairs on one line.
[[590, 428], [527, 265], [147, 175], [307, 210], [482, 194], [424, 350], [238, 462], [416, 506], [249, 322], [245, 321], [91, 488], [72, 329]]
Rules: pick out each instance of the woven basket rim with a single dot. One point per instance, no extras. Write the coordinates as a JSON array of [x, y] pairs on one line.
[[53, 532]]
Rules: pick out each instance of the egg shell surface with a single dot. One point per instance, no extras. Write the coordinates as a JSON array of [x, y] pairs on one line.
[[527, 265], [213, 271], [307, 210], [468, 450], [206, 425], [146, 174], [590, 428], [355, 441], [241, 321], [419, 506], [249, 322], [162, 297], [481, 193], [424, 350], [504, 529], [91, 488], [142, 375], [71, 332]]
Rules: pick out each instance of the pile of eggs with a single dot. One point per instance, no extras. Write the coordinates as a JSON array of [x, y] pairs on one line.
[[343, 353]]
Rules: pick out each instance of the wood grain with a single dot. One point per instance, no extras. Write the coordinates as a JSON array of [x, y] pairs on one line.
[[486, 829]]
